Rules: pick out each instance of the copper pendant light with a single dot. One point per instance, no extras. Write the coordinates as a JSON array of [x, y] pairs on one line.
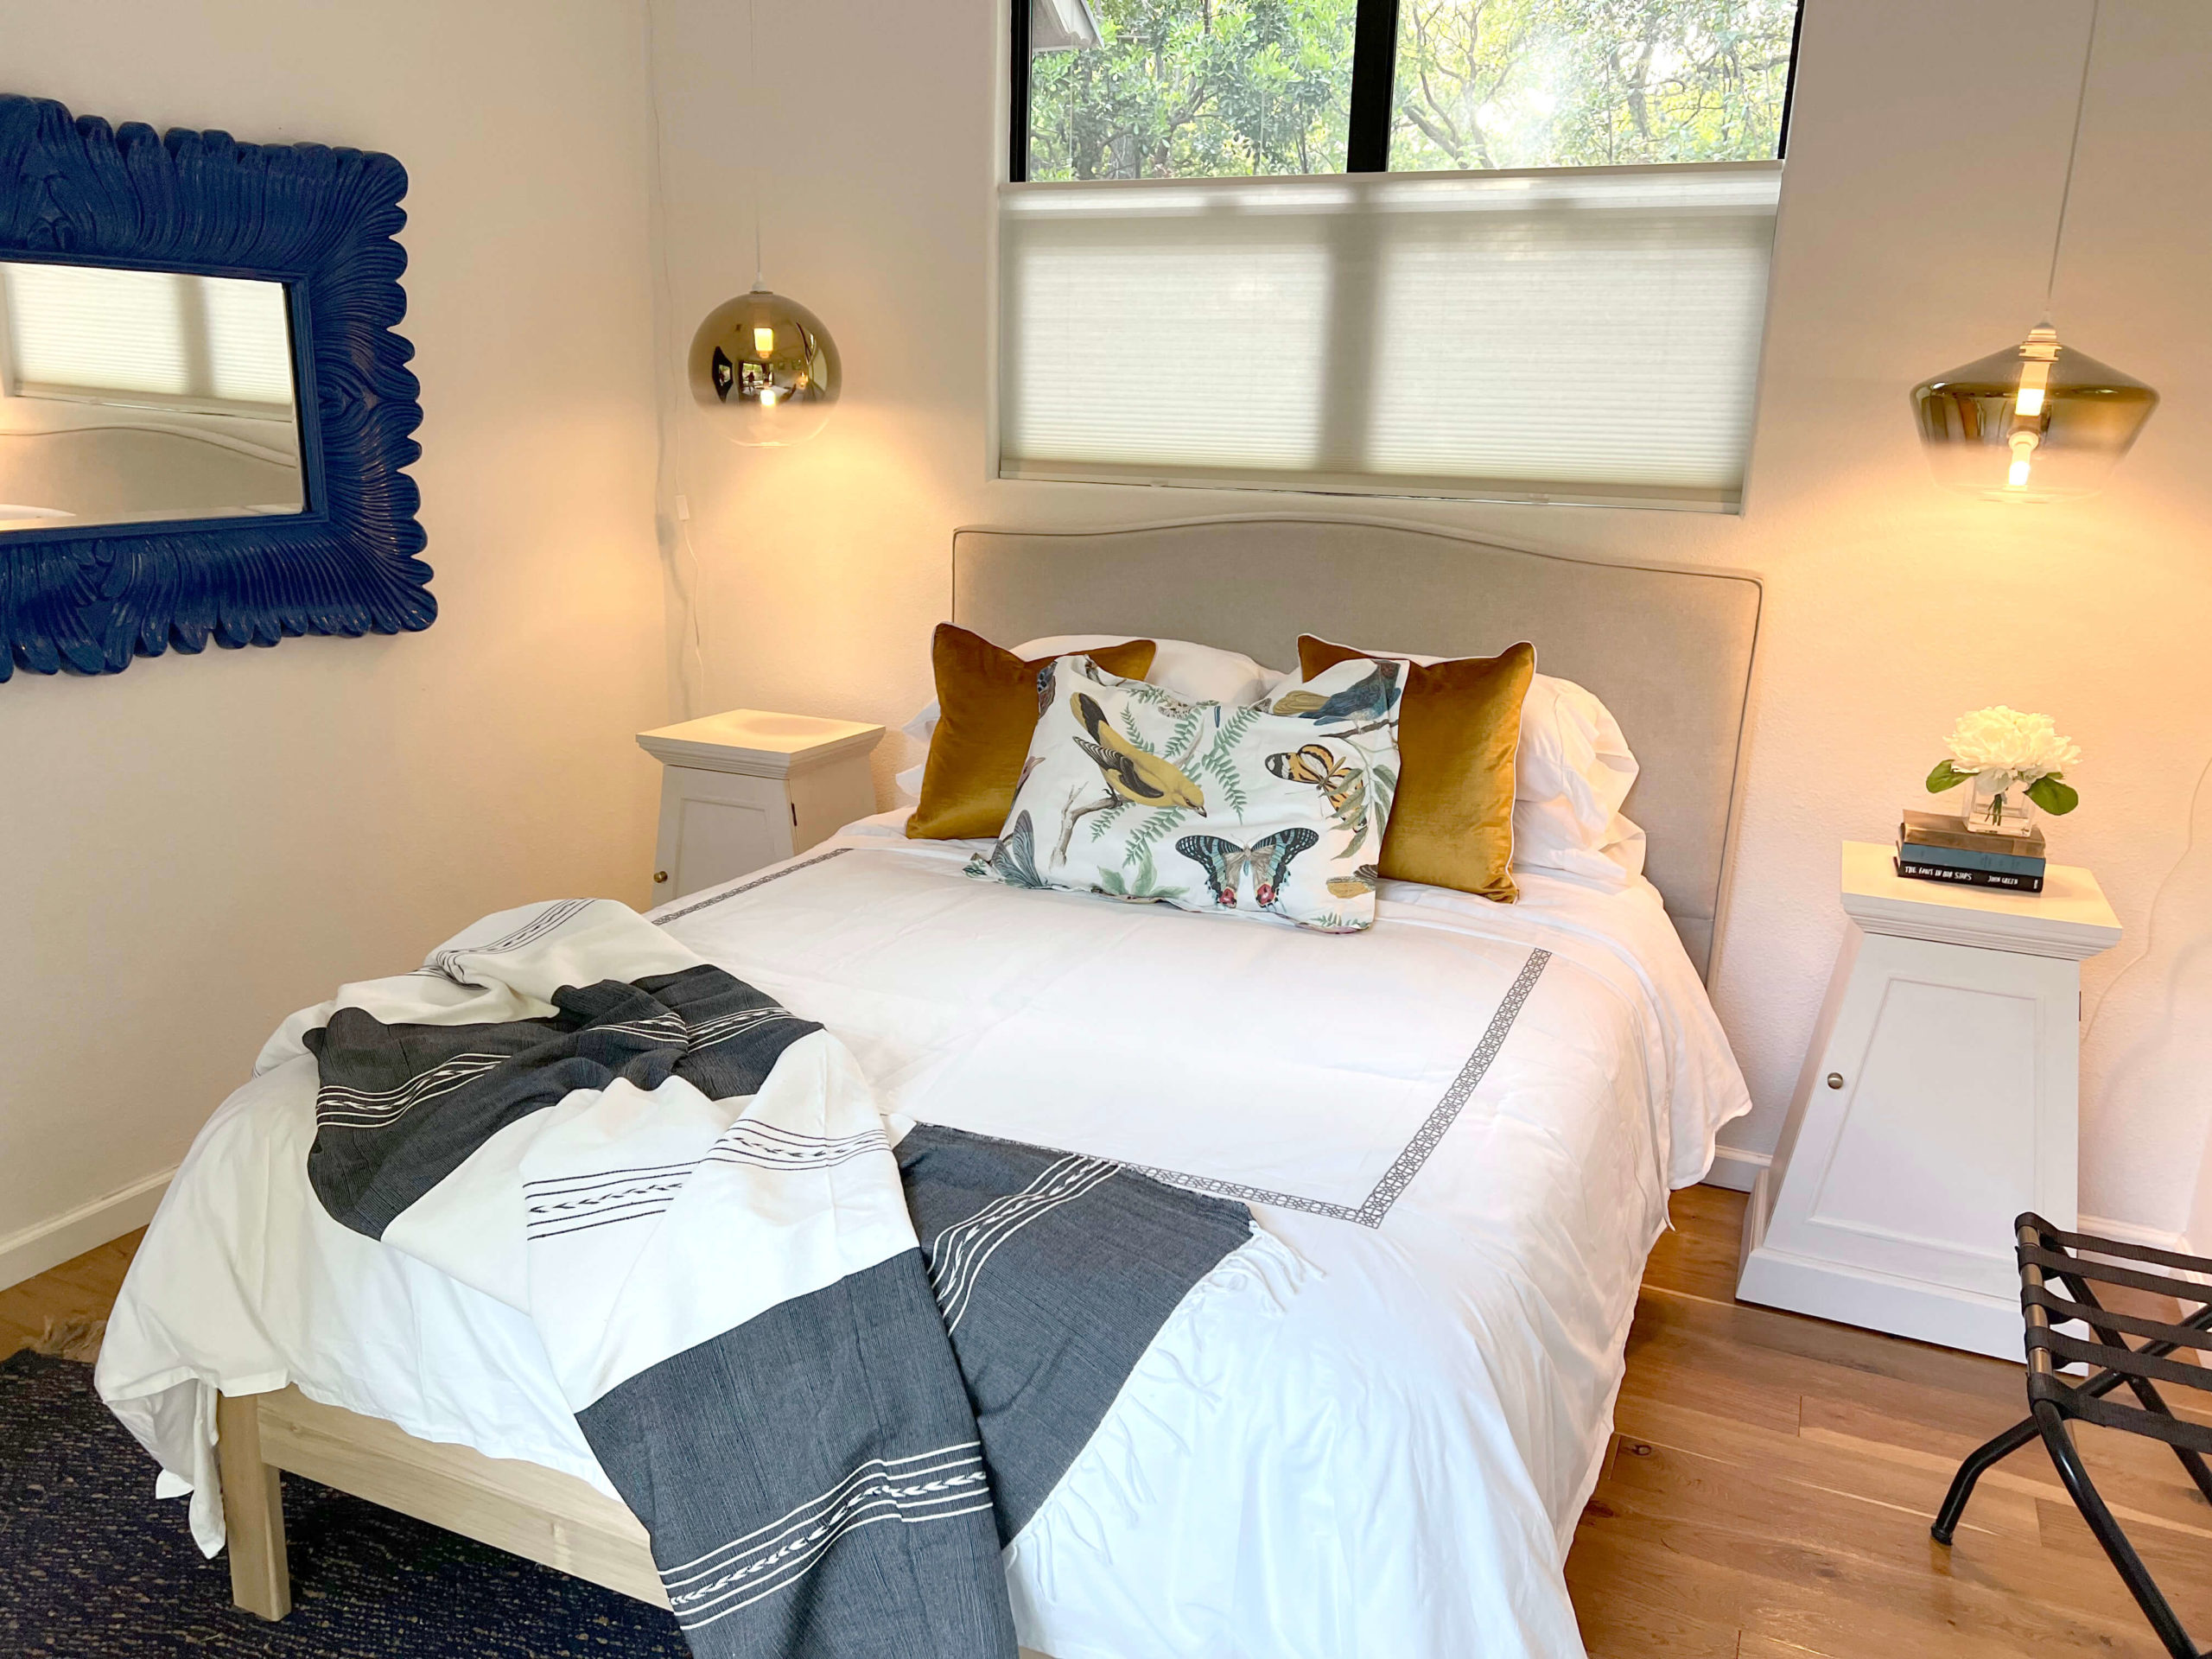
[[2039, 421]]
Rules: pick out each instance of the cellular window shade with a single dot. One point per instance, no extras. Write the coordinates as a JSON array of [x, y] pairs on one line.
[[1572, 334], [249, 340], [80, 329]]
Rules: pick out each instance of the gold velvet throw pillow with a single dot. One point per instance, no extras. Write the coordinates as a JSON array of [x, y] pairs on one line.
[[1459, 731], [987, 708]]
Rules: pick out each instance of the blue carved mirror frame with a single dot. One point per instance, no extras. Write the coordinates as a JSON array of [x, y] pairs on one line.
[[88, 599]]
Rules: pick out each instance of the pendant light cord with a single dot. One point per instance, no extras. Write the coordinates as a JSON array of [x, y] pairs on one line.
[[2073, 149], [752, 77], [668, 458]]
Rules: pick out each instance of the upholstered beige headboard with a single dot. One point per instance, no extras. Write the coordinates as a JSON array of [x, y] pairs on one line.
[[1669, 651]]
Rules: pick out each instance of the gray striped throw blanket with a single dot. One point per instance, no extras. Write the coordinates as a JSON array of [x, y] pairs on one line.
[[834, 1361]]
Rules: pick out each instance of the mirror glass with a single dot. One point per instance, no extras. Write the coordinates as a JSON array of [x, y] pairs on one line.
[[128, 397]]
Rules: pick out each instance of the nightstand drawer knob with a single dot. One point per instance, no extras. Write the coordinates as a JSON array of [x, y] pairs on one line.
[[1835, 1079], [660, 875]]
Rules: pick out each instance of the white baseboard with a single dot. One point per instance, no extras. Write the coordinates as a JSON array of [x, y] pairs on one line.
[[1849, 1294], [2128, 1233], [1734, 1169], [2157, 1238], [27, 1254]]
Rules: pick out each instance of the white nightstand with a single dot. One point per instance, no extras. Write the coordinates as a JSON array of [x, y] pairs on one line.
[[1940, 1099], [744, 789]]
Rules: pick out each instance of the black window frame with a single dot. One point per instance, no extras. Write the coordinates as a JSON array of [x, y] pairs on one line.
[[1374, 84]]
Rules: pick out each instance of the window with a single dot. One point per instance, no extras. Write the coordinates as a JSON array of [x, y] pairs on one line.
[[1589, 83], [1181, 89], [157, 338], [1507, 249]]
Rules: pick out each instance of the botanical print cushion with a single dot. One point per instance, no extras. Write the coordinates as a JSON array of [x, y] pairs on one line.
[[1274, 809]]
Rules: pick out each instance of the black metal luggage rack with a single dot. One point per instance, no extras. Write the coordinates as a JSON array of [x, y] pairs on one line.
[[2047, 1255]]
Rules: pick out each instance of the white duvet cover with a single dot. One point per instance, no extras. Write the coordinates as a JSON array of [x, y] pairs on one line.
[[1459, 1129]]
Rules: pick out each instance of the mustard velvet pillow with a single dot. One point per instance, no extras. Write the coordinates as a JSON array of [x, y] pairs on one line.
[[987, 703], [1459, 732]]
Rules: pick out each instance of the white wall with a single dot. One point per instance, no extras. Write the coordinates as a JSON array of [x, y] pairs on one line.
[[193, 848], [1922, 185]]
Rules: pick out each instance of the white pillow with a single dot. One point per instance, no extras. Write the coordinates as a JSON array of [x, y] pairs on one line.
[[1571, 773], [1193, 672], [1268, 810]]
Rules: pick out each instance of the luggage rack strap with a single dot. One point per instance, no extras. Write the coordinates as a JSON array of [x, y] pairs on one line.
[[2105, 1273], [2112, 1318], [2175, 1432], [2117, 1247], [2127, 1360]]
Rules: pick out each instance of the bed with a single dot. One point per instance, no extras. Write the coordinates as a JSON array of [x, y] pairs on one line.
[[1457, 1132]]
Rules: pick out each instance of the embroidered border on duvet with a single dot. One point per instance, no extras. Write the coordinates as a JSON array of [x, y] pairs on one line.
[[1369, 1210], [758, 881]]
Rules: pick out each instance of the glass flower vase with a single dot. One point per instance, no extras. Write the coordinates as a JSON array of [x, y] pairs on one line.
[[2006, 811]]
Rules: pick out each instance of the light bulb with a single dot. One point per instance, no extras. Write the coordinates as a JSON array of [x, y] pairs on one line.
[[2038, 422], [2035, 359]]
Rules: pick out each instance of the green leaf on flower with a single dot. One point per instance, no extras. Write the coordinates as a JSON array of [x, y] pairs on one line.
[[2055, 797], [1947, 776]]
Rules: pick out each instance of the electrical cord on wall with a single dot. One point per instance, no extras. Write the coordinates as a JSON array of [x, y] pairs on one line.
[[2157, 897], [693, 607], [667, 467]]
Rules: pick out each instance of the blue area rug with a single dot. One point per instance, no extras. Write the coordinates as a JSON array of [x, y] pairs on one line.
[[94, 1566]]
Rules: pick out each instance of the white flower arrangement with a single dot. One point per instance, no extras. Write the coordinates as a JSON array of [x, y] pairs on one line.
[[2001, 750]]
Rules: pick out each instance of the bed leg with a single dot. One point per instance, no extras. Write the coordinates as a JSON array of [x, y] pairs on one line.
[[253, 1510]]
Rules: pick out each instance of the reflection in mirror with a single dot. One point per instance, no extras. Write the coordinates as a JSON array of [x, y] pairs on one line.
[[130, 397]]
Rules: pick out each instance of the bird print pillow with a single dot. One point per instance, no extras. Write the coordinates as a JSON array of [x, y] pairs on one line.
[[1272, 810]]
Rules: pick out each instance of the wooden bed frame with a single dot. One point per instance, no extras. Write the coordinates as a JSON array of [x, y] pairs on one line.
[[1670, 650], [552, 1518]]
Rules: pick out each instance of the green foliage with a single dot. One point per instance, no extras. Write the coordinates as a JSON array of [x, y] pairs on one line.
[[1196, 88], [2055, 797], [1588, 83], [1208, 88], [1158, 823], [1184, 738], [1219, 762], [1105, 815], [1143, 880], [1947, 776]]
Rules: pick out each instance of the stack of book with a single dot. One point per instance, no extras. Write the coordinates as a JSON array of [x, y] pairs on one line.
[[1937, 846]]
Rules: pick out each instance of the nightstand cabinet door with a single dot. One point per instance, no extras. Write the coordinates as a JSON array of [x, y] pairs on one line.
[[1938, 1101], [716, 826]]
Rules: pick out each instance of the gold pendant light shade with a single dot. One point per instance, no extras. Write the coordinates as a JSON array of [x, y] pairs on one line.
[[2038, 422], [766, 368]]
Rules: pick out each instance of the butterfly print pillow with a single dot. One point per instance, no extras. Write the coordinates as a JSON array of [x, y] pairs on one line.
[[1272, 811]]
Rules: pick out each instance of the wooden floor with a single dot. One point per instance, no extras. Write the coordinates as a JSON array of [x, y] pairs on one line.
[[56, 1304], [1771, 1485], [1773, 1478]]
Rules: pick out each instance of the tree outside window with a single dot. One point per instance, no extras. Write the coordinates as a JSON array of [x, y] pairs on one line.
[[1212, 88]]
